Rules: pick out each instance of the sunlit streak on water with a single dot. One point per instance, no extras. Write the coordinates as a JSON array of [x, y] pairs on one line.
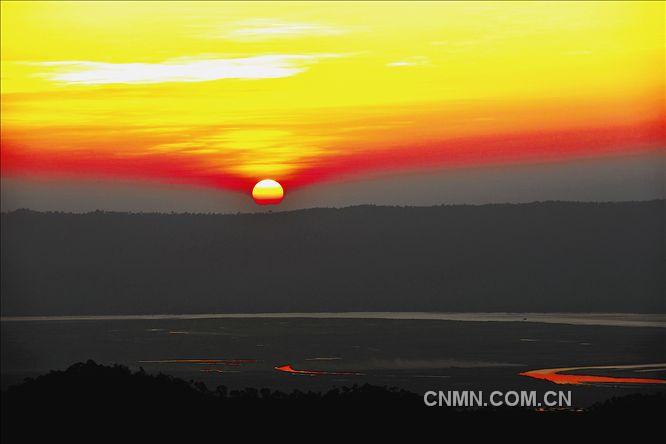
[[289, 369], [555, 375]]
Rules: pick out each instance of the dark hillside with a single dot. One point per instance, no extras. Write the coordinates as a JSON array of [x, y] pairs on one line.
[[553, 256]]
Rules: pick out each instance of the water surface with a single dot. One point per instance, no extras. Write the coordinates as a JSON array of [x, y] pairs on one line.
[[415, 351]]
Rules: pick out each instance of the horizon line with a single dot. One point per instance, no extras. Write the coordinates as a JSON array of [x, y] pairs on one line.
[[291, 210]]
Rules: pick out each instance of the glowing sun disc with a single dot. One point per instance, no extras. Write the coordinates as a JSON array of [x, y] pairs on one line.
[[267, 192]]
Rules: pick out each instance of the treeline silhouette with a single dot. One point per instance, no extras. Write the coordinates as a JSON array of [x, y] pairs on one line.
[[94, 397], [552, 256]]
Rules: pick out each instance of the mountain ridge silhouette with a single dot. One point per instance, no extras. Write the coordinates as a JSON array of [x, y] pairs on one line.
[[538, 257]]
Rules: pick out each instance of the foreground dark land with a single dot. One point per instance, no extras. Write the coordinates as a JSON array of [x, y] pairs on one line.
[[415, 355], [549, 257], [88, 396]]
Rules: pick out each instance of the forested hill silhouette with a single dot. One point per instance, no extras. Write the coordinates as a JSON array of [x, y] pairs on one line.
[[88, 398], [552, 256]]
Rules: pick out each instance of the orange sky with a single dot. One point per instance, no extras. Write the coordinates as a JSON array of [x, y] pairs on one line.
[[227, 94]]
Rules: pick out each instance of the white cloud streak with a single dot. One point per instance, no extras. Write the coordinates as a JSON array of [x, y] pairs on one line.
[[410, 61], [268, 29], [180, 70]]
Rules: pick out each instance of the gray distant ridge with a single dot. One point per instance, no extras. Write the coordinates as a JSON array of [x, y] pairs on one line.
[[539, 257]]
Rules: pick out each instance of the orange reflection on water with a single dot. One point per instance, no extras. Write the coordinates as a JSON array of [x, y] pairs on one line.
[[289, 369], [555, 375], [232, 362]]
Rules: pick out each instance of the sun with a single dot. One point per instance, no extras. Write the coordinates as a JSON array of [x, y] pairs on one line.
[[267, 192]]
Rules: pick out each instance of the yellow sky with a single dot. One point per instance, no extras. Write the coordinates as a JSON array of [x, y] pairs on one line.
[[255, 90]]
